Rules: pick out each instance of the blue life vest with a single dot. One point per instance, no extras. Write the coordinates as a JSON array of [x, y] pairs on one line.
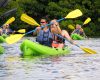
[[45, 37]]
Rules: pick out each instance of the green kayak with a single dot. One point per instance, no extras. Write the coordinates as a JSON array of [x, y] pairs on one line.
[[30, 48], [1, 50], [2, 38], [76, 37]]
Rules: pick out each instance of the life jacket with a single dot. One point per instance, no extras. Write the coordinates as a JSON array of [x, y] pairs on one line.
[[78, 32], [6, 31], [45, 37], [58, 38]]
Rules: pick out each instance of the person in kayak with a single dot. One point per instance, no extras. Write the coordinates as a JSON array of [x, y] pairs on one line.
[[59, 35], [47, 35], [6, 30], [79, 31], [44, 36]]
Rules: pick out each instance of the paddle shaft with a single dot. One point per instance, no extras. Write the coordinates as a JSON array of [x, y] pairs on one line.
[[44, 26], [67, 40], [70, 15]]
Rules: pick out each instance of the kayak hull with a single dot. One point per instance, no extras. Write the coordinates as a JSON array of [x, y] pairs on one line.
[[1, 50], [76, 37], [30, 48], [2, 38]]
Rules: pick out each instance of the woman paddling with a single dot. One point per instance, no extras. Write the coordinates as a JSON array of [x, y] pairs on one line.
[[59, 35], [47, 35]]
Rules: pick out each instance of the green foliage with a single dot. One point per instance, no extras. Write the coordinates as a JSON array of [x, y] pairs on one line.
[[55, 9], [78, 22]]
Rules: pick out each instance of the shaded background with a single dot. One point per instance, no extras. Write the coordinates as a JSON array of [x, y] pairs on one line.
[[52, 9]]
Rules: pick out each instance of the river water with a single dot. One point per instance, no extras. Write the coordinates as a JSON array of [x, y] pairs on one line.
[[75, 66]]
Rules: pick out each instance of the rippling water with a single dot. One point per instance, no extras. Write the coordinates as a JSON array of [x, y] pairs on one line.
[[75, 66]]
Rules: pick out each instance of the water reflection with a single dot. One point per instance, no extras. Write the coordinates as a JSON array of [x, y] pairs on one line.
[[75, 66]]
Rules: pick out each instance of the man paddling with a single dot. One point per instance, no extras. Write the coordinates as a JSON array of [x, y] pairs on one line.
[[79, 31]]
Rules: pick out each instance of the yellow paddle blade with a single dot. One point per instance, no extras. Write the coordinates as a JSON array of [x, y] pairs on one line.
[[21, 31], [14, 38], [71, 26], [87, 20], [10, 20], [74, 14], [29, 20], [87, 50]]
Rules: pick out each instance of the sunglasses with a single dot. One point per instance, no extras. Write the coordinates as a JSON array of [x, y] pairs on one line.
[[42, 22]]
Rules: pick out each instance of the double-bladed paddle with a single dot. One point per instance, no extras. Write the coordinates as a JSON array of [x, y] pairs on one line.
[[29, 20], [15, 38], [9, 21], [21, 31], [85, 22]]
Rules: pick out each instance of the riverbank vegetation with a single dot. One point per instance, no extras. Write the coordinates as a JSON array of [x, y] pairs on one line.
[[53, 9]]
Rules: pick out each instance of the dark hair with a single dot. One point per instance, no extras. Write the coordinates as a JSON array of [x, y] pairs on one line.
[[46, 19]]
